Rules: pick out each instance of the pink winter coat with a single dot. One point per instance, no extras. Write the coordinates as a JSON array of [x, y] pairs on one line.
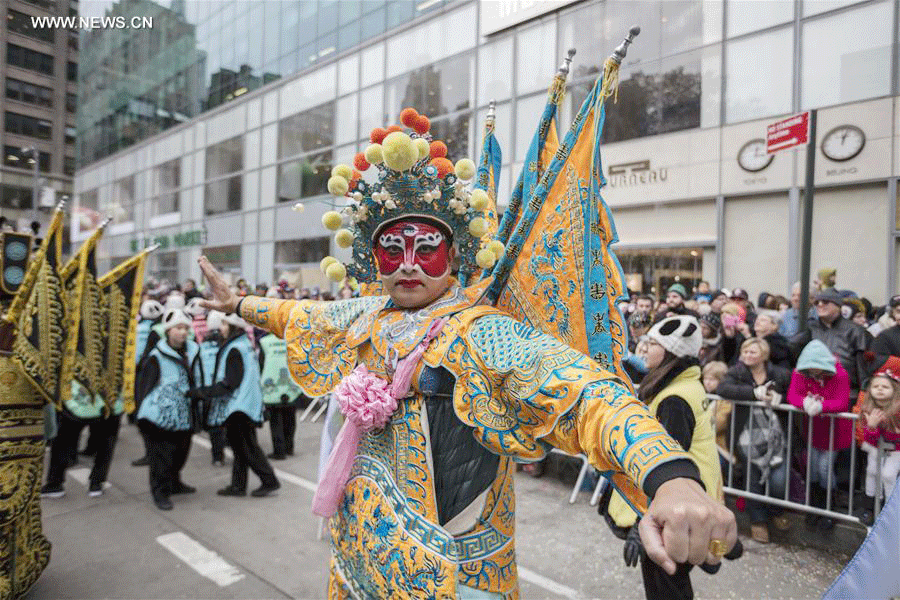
[[835, 392]]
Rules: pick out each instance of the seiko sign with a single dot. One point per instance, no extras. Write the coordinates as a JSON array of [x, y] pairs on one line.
[[635, 173], [497, 15]]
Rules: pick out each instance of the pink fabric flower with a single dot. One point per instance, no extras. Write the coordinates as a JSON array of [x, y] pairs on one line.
[[365, 399]]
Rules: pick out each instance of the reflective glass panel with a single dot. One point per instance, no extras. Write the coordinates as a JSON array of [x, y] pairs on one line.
[[752, 90]]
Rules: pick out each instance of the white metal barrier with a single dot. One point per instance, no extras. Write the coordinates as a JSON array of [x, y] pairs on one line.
[[830, 509]]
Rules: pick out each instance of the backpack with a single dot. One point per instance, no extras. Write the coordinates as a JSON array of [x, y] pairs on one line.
[[762, 440]]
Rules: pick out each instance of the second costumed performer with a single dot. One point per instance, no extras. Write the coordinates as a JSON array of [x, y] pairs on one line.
[[442, 394]]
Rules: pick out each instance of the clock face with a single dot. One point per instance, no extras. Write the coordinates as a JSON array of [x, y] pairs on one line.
[[843, 142], [752, 156]]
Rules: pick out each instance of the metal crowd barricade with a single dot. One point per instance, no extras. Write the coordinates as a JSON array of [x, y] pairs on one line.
[[794, 413]]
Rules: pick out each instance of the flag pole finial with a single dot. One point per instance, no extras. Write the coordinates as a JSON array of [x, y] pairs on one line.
[[567, 62], [611, 67], [105, 222], [622, 49], [492, 112]]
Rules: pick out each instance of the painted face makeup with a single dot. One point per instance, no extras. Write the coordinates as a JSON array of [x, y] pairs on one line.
[[411, 247]]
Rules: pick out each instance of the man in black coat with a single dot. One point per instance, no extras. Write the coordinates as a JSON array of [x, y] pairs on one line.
[[888, 341]]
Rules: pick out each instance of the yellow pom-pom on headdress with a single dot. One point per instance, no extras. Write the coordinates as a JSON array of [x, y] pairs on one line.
[[338, 185], [478, 200], [423, 147], [336, 272], [497, 247], [485, 258], [327, 262], [344, 238], [344, 171], [478, 227], [465, 169], [400, 153], [331, 220], [375, 154]]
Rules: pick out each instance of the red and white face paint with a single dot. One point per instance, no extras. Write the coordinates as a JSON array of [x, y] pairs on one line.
[[411, 248]]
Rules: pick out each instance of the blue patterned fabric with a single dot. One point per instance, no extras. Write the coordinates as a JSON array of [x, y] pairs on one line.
[[143, 333], [167, 405]]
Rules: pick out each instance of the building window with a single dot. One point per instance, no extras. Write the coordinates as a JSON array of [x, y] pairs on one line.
[[30, 126], [72, 71], [223, 195], [25, 58], [847, 56], [309, 130], [123, 197], [166, 179], [71, 102], [28, 92], [21, 23], [295, 252], [305, 177], [455, 133], [225, 157], [436, 89], [15, 197], [70, 134], [165, 267], [756, 93], [69, 165], [73, 41], [13, 157], [652, 270], [227, 258]]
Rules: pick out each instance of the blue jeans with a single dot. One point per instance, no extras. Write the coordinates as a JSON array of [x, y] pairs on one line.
[[821, 465], [760, 511]]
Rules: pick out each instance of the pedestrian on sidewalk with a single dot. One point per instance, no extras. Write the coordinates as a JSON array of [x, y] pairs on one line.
[[165, 416], [151, 314], [236, 400], [280, 395], [209, 350]]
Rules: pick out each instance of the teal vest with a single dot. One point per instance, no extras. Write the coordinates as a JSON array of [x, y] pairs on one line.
[[82, 406], [143, 332], [167, 405], [276, 382], [247, 398], [208, 352]]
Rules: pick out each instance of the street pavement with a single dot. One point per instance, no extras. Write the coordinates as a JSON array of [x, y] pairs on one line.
[[120, 546]]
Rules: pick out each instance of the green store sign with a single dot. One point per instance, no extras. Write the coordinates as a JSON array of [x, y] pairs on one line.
[[178, 240]]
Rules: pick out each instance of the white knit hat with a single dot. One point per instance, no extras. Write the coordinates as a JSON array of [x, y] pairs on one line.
[[193, 307], [173, 317], [214, 319], [235, 321], [175, 300], [151, 310], [680, 335]]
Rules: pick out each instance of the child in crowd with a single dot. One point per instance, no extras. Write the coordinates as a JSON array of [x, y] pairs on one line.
[[880, 418], [713, 373], [821, 385]]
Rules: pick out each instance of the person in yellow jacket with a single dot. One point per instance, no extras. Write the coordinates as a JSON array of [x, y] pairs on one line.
[[673, 392]]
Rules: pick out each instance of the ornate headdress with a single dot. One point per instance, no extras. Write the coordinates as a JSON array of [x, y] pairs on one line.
[[414, 179]]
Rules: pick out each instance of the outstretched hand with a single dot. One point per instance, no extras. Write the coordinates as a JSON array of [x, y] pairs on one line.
[[224, 299], [681, 522]]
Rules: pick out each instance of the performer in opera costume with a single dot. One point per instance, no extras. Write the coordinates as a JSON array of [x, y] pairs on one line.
[[443, 394]]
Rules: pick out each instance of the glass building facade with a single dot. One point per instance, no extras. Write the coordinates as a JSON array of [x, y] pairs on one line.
[[266, 97]]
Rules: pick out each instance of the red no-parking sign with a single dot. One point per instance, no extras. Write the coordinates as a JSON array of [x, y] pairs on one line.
[[787, 133]]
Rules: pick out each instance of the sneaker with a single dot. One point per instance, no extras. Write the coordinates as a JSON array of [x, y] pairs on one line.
[[760, 533], [52, 491], [183, 488], [265, 490], [163, 503], [781, 523], [232, 491], [95, 490], [276, 456], [141, 462], [867, 517]]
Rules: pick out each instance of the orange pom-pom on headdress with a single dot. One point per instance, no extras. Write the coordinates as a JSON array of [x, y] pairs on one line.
[[394, 128], [408, 117], [443, 166], [421, 125], [360, 162], [378, 134], [438, 149]]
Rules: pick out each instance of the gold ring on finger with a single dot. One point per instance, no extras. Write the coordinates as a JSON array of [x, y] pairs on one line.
[[718, 548]]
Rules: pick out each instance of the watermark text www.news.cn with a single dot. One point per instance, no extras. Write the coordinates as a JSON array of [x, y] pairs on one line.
[[106, 22]]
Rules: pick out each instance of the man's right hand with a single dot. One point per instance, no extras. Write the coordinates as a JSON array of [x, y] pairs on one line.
[[224, 299]]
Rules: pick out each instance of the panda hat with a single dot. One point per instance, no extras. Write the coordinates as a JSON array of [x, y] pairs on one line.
[[680, 335]]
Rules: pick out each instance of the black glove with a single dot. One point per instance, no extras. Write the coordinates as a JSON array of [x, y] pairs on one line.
[[633, 546]]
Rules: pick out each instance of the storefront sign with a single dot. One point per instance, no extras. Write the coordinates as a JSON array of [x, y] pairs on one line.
[[635, 173], [497, 15], [178, 240]]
